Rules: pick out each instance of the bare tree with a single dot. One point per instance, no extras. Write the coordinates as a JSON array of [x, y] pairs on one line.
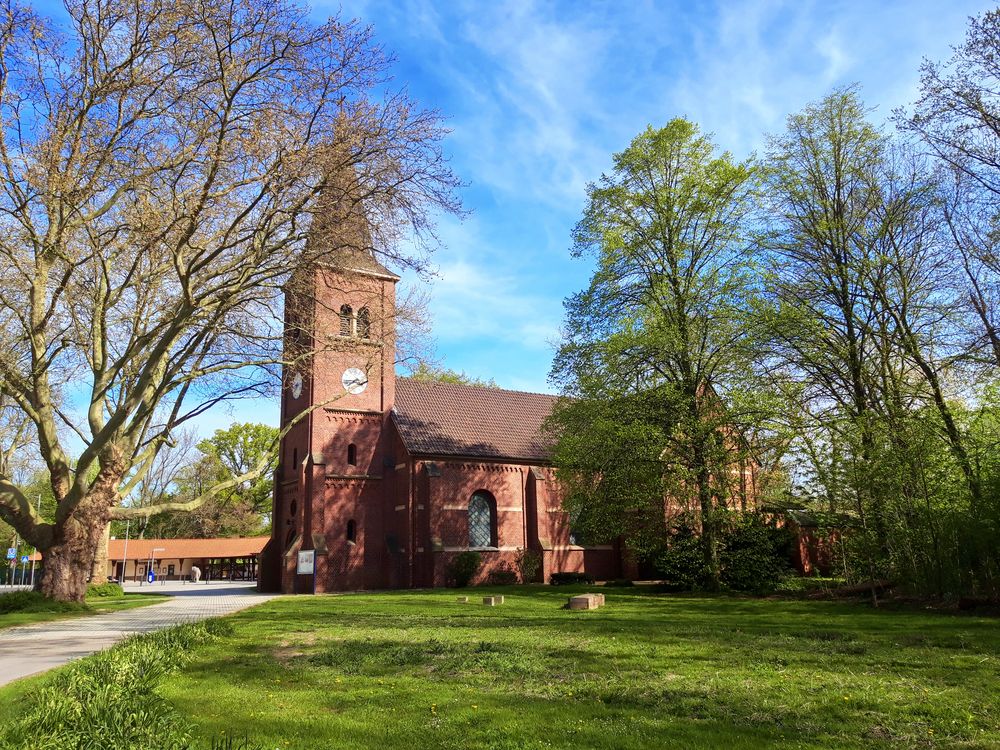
[[958, 118], [161, 167]]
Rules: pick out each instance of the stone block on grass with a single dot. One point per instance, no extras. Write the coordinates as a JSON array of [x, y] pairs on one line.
[[585, 601]]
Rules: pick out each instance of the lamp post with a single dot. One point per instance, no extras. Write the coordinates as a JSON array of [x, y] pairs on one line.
[[128, 523]]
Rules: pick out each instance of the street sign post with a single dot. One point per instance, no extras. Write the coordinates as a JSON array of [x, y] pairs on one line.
[[11, 553]]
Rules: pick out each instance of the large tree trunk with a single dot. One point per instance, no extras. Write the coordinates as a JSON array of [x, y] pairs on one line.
[[70, 560], [709, 532]]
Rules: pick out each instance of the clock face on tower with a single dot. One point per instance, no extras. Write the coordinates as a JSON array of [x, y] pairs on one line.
[[297, 385], [354, 380]]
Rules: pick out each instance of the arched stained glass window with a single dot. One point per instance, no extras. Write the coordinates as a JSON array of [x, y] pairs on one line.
[[364, 323], [346, 320], [482, 520]]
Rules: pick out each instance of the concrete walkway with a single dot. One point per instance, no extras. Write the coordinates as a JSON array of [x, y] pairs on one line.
[[36, 648]]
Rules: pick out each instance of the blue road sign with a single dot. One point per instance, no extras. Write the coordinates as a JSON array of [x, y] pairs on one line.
[[151, 577], [24, 558], [11, 553]]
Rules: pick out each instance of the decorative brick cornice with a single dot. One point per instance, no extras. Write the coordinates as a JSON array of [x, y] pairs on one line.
[[352, 416], [345, 479], [498, 468]]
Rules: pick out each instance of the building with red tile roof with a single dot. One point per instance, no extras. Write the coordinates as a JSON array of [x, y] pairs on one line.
[[383, 481], [172, 559]]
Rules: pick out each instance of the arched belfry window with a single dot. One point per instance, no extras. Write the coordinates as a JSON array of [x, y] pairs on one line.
[[352, 455], [482, 520], [364, 323], [346, 320], [352, 532]]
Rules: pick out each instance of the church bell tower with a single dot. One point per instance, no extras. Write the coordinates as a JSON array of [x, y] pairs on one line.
[[338, 390]]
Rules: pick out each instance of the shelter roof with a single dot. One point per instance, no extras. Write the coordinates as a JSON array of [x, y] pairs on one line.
[[160, 549]]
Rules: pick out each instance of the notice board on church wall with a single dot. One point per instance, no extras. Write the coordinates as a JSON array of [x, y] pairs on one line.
[[307, 562]]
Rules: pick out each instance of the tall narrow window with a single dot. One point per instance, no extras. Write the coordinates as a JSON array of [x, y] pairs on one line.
[[352, 531], [346, 320], [482, 520], [352, 455], [364, 323]]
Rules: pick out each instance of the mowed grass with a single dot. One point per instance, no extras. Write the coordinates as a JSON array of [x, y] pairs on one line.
[[44, 611], [419, 670]]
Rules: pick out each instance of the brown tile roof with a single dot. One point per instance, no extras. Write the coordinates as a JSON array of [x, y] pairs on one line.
[[462, 420], [141, 549]]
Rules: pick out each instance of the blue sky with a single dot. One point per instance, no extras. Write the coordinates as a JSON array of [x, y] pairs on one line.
[[538, 95]]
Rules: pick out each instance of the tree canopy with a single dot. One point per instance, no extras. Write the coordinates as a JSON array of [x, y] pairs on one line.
[[811, 330]]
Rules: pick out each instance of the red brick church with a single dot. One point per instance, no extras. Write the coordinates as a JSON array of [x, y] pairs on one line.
[[386, 478]]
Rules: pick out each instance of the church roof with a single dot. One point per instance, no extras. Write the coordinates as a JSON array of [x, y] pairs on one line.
[[447, 419]]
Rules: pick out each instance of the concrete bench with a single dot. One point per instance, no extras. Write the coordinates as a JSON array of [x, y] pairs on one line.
[[492, 601]]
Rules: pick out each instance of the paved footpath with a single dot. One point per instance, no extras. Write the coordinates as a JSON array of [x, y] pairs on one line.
[[35, 648]]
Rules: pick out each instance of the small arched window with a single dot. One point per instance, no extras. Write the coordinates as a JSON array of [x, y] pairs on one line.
[[364, 323], [346, 320], [482, 521], [352, 455], [352, 532]]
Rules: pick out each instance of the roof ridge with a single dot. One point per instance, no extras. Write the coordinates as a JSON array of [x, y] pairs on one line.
[[488, 388]]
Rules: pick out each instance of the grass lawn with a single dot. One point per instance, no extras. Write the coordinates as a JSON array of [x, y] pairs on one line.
[[419, 670], [94, 605]]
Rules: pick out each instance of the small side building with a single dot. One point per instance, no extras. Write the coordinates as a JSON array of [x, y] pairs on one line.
[[230, 559]]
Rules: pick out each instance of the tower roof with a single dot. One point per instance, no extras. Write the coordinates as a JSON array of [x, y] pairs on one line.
[[341, 230], [358, 261], [448, 419]]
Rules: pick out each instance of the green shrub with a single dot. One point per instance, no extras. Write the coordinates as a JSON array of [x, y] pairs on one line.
[[529, 563], [561, 579], [105, 590], [109, 700], [33, 601], [753, 556], [463, 568], [503, 576], [681, 564]]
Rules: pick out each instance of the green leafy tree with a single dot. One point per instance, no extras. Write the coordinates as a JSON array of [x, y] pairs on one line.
[[190, 468], [427, 373], [238, 450], [657, 353], [864, 280]]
